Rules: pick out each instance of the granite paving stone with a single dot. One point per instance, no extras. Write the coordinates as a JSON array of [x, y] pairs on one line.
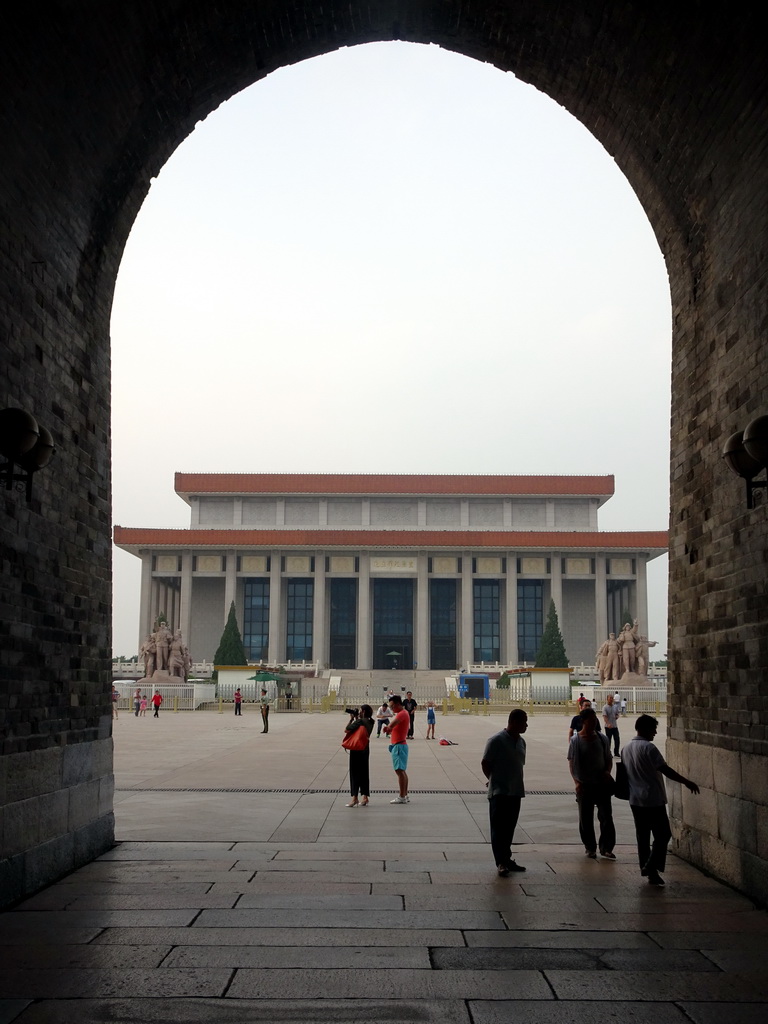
[[11, 1008], [244, 1011], [487, 958], [417, 984], [330, 919], [48, 922], [363, 958], [558, 939], [280, 884], [734, 940], [286, 936], [717, 1013], [663, 986], [79, 983], [319, 879], [508, 1012], [318, 901], [34, 957], [737, 960]]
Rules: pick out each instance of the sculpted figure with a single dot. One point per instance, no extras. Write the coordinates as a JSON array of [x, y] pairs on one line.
[[641, 654], [162, 640], [176, 666], [600, 664], [628, 638], [608, 658], [147, 655]]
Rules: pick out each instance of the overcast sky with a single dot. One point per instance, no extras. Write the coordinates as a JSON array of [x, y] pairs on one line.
[[390, 259]]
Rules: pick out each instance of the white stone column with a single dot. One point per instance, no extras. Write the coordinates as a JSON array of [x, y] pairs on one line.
[[145, 598], [467, 618], [641, 590], [319, 636], [556, 586], [275, 652], [510, 653], [422, 612], [230, 582], [601, 602], [185, 601], [364, 623]]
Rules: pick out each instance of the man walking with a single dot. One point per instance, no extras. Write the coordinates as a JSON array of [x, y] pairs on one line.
[[590, 762], [264, 703], [410, 706], [502, 764], [611, 713], [157, 700], [648, 798], [397, 730]]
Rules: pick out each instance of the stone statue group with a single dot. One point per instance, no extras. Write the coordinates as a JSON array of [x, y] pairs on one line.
[[165, 652], [626, 653]]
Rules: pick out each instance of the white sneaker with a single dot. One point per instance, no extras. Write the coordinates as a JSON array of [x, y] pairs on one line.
[[399, 800]]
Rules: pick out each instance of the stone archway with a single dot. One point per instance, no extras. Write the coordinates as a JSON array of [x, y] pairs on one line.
[[96, 98]]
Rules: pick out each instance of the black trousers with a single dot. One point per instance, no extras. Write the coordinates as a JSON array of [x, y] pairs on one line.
[[359, 779], [651, 822], [595, 795], [265, 717], [504, 812], [238, 708], [612, 732]]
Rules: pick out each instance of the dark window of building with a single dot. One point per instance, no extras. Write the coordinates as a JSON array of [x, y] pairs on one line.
[[393, 623], [343, 623], [487, 622], [530, 618], [300, 604], [442, 624], [256, 619]]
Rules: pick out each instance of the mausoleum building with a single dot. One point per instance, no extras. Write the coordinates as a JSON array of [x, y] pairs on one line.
[[382, 571]]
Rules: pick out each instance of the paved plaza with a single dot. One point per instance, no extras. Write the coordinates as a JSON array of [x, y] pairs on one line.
[[242, 889]]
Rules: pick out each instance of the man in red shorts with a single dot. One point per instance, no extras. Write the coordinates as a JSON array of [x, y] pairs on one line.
[[397, 730]]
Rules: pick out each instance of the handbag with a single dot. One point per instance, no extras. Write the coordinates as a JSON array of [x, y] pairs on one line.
[[356, 740], [621, 791]]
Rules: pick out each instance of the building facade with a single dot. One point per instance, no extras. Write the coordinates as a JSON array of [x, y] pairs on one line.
[[379, 571]]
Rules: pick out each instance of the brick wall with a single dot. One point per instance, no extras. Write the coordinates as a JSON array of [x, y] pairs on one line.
[[95, 97]]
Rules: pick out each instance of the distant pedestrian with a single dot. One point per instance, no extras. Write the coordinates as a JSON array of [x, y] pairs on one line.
[[397, 730], [157, 700], [383, 715], [137, 702], [581, 700], [611, 714], [410, 706], [264, 704], [431, 720], [115, 699], [238, 697], [503, 765], [577, 721], [590, 762], [648, 798], [143, 706]]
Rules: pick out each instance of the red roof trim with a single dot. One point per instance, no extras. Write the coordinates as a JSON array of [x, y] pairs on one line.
[[388, 484], [135, 537]]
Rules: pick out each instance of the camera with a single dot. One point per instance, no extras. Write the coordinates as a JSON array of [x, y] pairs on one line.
[[352, 711]]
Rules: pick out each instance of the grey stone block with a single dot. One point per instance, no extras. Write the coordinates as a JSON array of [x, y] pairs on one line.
[[222, 1011], [319, 901], [44, 957], [331, 919], [516, 959], [716, 1013], [364, 958], [11, 1008], [427, 985], [563, 1012], [663, 986], [734, 940], [280, 936], [561, 940], [81, 983]]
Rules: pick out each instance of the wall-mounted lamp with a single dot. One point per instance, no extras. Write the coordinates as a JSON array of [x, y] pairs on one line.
[[746, 454], [26, 447]]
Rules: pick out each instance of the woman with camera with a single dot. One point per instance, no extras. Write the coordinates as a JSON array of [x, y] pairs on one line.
[[359, 718]]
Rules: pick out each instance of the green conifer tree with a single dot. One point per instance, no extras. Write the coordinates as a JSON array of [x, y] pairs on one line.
[[230, 650], [552, 650]]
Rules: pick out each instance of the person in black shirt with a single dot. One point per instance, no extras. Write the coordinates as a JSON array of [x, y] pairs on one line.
[[410, 706]]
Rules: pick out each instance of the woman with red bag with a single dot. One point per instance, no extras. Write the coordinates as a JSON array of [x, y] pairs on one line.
[[357, 733]]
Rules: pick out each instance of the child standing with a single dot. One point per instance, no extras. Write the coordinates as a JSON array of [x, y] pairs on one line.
[[143, 706], [430, 719]]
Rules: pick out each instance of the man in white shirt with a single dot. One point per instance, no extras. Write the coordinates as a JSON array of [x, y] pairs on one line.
[[648, 798]]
